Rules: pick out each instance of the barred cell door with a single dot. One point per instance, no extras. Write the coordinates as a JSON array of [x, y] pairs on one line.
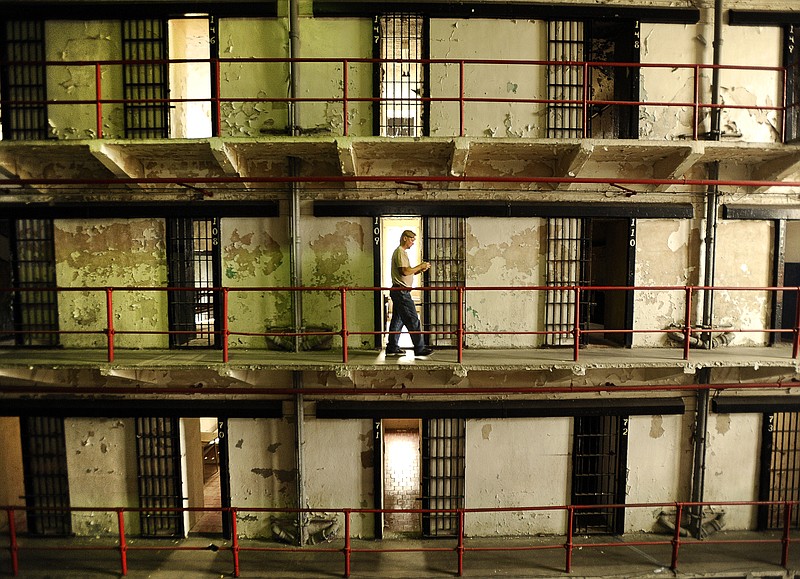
[[44, 458], [780, 469], [443, 474], [568, 264], [194, 262], [23, 80], [565, 82], [599, 472], [445, 250], [34, 274], [145, 84], [159, 459]]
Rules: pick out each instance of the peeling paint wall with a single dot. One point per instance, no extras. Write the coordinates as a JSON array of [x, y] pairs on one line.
[[504, 252], [745, 265], [336, 38], [343, 478], [255, 253], [658, 467], [513, 463], [666, 255], [12, 485], [338, 252], [734, 442], [102, 253], [262, 471], [101, 462], [489, 39], [259, 38], [83, 40]]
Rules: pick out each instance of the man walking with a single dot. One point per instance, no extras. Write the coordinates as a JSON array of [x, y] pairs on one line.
[[404, 313]]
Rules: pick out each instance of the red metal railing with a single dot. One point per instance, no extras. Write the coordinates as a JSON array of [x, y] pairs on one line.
[[346, 98], [685, 326], [567, 541]]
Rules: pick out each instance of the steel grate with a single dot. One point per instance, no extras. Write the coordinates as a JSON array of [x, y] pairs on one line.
[[445, 250], [145, 83], [568, 264], [400, 38], [443, 473], [194, 262], [45, 470], [599, 456], [158, 459], [22, 78], [34, 271], [781, 460], [565, 82]]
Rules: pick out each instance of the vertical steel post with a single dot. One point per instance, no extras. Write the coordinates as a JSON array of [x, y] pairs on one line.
[[347, 547], [576, 332], [218, 116], [696, 101], [12, 537], [234, 543], [343, 293], [676, 537], [787, 526], [98, 85], [461, 103], [225, 327], [460, 547], [345, 97], [796, 339], [460, 329], [123, 543], [687, 323], [568, 545], [110, 323], [584, 104]]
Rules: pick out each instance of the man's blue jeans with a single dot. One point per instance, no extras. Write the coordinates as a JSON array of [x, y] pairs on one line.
[[404, 313]]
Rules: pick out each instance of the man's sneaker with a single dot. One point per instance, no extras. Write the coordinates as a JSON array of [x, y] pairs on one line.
[[395, 352], [424, 352]]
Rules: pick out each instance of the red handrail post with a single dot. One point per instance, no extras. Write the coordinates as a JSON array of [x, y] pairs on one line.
[[345, 99], [225, 327], [696, 105], [461, 103], [676, 538], [217, 103], [343, 293], [687, 323], [787, 525], [123, 544], [584, 103], [13, 547], [796, 340], [347, 546], [460, 547], [569, 544], [460, 329], [577, 330], [110, 323], [234, 543], [99, 103]]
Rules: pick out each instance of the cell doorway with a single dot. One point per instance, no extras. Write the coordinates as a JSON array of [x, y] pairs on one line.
[[390, 230], [190, 80], [402, 477], [204, 435], [791, 278]]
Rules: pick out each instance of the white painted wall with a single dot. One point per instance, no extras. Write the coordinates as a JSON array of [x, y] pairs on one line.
[[339, 467], [504, 252], [734, 442], [517, 462], [101, 464], [262, 471]]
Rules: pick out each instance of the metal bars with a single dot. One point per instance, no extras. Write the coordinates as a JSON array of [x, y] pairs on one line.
[[565, 83], [194, 259], [401, 81], [158, 461], [33, 259], [22, 79], [568, 263], [45, 469], [145, 83], [781, 460], [443, 472], [599, 457], [445, 250]]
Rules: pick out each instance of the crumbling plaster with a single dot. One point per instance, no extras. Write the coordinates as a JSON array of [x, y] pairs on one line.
[[262, 471], [101, 462], [106, 253]]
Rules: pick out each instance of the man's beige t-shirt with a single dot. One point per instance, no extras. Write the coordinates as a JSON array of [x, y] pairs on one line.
[[399, 261]]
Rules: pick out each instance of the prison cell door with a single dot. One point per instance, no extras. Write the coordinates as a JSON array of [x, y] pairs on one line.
[[780, 469], [445, 249], [158, 460], [599, 472], [443, 474], [144, 70], [23, 82], [44, 459]]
